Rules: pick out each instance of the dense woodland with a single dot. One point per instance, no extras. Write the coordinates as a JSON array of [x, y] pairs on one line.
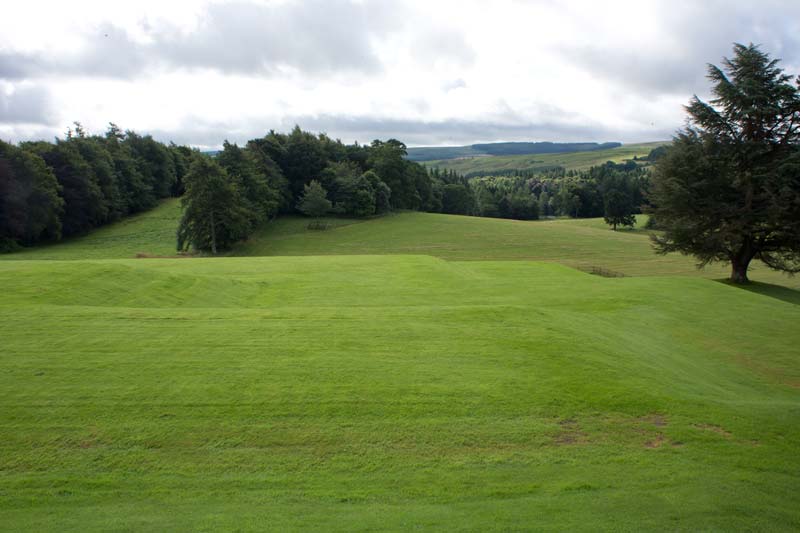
[[53, 190], [600, 191]]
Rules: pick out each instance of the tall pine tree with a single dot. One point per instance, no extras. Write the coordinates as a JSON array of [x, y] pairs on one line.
[[728, 189]]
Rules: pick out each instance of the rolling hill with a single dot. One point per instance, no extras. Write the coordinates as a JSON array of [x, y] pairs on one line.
[[415, 371], [429, 153], [345, 393], [579, 243], [488, 165]]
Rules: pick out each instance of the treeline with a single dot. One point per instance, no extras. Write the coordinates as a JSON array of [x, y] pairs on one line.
[[51, 190], [612, 190], [519, 173], [229, 195]]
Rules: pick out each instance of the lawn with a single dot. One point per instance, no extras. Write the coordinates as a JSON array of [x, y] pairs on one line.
[[579, 243], [341, 393], [415, 371], [488, 165], [151, 233]]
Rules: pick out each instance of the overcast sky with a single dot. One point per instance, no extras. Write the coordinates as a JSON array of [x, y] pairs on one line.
[[426, 72]]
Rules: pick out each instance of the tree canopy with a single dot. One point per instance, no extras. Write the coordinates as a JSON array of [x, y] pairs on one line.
[[214, 213], [70, 186], [314, 201], [728, 189], [90, 180], [618, 201]]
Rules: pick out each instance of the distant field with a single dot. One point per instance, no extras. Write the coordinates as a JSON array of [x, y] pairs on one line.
[[580, 243], [501, 148], [365, 393], [570, 161]]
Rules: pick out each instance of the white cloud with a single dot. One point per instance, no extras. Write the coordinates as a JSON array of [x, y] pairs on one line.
[[425, 72], [24, 104]]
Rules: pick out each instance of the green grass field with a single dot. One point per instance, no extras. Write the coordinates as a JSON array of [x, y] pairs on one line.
[[579, 243], [413, 372], [487, 165], [152, 232]]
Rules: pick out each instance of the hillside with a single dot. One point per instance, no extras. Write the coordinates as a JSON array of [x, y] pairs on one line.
[[151, 233], [374, 392], [430, 153], [488, 165], [415, 370], [580, 243]]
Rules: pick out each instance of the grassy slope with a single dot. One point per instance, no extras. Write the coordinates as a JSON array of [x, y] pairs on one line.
[[580, 243], [570, 161], [405, 392], [151, 232]]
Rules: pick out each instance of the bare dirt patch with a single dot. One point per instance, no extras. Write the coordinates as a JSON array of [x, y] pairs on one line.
[[570, 434], [145, 255], [775, 375], [715, 429], [656, 419]]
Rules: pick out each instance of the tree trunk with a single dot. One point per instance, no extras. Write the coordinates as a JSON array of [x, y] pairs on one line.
[[739, 271], [615, 226], [213, 235], [741, 261]]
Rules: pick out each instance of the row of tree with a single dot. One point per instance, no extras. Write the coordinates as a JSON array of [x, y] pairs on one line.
[[50, 190], [229, 195], [614, 191]]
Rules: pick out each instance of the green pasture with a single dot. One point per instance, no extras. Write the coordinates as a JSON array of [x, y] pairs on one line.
[[411, 372], [488, 165], [579, 243], [391, 393]]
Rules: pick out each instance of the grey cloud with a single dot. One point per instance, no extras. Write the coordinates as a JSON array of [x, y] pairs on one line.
[[314, 37], [453, 85], [26, 105], [424, 133], [697, 33], [108, 52], [443, 45], [20, 133], [206, 134], [14, 65]]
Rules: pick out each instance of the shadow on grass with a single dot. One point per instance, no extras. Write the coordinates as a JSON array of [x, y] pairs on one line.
[[768, 289]]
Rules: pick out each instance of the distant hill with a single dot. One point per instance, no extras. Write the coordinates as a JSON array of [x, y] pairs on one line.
[[502, 165], [507, 148]]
